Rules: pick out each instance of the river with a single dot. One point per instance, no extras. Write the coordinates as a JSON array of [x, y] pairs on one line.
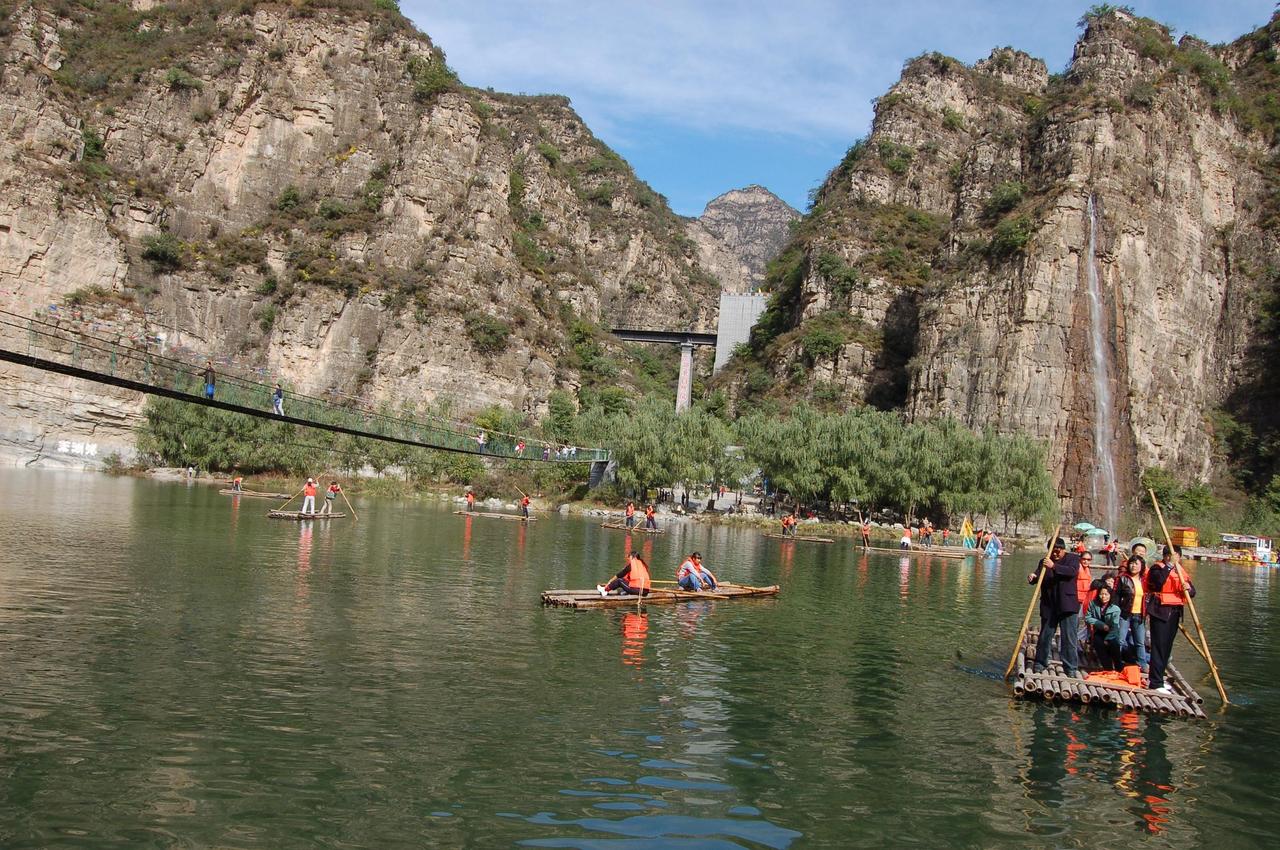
[[176, 670]]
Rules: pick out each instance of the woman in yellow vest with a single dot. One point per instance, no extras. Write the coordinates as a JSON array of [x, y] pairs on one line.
[[1130, 596], [632, 579]]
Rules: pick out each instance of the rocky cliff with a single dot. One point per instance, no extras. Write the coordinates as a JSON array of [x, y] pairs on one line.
[[946, 265], [739, 232], [305, 191]]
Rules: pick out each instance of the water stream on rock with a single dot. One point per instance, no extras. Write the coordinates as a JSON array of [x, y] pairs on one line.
[[1105, 493]]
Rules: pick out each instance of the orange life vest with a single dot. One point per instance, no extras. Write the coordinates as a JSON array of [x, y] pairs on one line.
[[686, 568], [236, 480], [1174, 590], [648, 512], [631, 510], [866, 529], [1083, 580], [309, 490], [471, 497], [525, 501], [639, 575]]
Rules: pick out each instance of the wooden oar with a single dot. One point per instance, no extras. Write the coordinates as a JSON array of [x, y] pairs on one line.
[[348, 501], [291, 498], [1031, 606], [1192, 641], [1191, 605]]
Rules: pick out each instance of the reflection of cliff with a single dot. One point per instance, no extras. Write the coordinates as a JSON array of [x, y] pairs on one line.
[[943, 268]]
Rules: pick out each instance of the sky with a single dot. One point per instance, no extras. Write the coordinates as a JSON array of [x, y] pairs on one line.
[[704, 96]]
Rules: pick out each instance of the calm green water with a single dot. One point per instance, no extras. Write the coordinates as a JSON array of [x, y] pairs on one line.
[[179, 671]]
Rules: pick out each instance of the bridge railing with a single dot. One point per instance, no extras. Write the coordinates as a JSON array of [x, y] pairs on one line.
[[139, 361]]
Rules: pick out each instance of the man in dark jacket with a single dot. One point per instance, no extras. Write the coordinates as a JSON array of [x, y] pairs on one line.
[[1059, 608], [1168, 590]]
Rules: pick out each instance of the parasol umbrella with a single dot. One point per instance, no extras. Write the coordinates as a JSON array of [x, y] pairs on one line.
[[1082, 526]]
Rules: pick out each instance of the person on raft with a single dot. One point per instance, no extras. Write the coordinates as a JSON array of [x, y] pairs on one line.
[[650, 518], [237, 484], [330, 497], [631, 515], [632, 579], [524, 505], [471, 500], [905, 542], [866, 534], [1059, 608], [1168, 590], [789, 525], [1129, 596], [1103, 618], [309, 497], [692, 575]]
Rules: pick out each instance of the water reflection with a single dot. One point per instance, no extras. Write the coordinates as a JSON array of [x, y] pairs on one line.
[[635, 628]]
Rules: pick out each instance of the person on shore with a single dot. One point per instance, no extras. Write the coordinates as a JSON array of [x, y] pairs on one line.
[[237, 484], [866, 534], [524, 506], [926, 534], [1059, 608], [1104, 618], [1109, 549], [632, 579], [1129, 597], [210, 379], [650, 518], [692, 575], [471, 501], [946, 532], [330, 498], [905, 542], [309, 497], [1168, 590]]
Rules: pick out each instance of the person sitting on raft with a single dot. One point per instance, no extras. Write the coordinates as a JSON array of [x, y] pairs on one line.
[[1103, 618], [692, 575], [632, 579]]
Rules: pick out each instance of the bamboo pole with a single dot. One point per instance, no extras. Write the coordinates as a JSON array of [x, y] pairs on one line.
[[291, 498], [1192, 641], [348, 501], [1035, 596], [1191, 605]]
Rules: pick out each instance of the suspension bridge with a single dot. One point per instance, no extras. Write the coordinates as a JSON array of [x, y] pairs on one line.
[[136, 363]]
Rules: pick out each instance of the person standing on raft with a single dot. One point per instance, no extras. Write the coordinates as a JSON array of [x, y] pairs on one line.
[[1168, 590], [866, 534], [789, 526], [649, 518], [471, 501], [905, 542], [692, 575], [632, 579], [309, 497], [236, 484], [524, 506], [330, 497], [1059, 608], [631, 515]]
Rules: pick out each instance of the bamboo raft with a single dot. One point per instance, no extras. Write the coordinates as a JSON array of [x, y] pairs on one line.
[[637, 528], [299, 515], [254, 494], [593, 599], [1054, 685], [776, 536], [933, 553], [516, 517]]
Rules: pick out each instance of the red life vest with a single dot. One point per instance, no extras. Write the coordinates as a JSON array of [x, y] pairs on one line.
[[686, 568], [1083, 580], [471, 497], [631, 510], [639, 575], [1174, 590], [525, 501], [866, 529], [648, 512], [309, 490]]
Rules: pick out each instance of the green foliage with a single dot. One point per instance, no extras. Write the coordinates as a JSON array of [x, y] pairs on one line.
[[95, 149], [951, 119], [822, 337], [431, 77], [267, 318], [289, 199], [164, 252], [1011, 237], [603, 194], [488, 334], [843, 278], [1142, 93], [549, 152], [180, 79], [896, 157], [1004, 197], [1102, 10]]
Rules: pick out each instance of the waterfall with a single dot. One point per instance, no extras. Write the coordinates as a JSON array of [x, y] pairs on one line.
[[1105, 494]]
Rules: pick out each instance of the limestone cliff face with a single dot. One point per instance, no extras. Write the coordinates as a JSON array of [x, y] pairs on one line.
[[945, 267], [306, 192], [739, 232]]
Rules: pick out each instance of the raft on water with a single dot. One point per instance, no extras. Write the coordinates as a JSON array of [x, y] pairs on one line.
[[496, 516], [935, 553], [301, 515], [1054, 685], [777, 536], [593, 599], [636, 528], [254, 494]]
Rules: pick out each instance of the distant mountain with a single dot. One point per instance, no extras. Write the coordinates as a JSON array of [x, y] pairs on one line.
[[739, 232]]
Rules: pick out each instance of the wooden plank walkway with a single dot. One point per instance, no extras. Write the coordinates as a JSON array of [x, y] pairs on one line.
[[1054, 685], [775, 536], [254, 494], [299, 515], [635, 529], [515, 517], [592, 599]]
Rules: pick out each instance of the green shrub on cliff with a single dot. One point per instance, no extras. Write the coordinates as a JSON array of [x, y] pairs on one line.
[[431, 77], [1011, 237], [488, 334]]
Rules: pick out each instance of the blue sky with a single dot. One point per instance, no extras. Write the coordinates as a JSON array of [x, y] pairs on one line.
[[703, 97]]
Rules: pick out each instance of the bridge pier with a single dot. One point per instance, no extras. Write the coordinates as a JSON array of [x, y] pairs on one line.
[[684, 386], [602, 472]]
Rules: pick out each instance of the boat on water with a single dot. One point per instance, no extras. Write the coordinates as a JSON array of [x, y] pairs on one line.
[[254, 494], [803, 537], [487, 515], [1100, 687], [923, 553], [1243, 549], [592, 599], [638, 529], [299, 515]]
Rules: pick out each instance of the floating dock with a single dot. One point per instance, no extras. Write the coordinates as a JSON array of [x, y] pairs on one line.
[[593, 599], [254, 494], [1054, 685], [927, 553], [635, 529], [775, 536], [515, 517], [301, 515]]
